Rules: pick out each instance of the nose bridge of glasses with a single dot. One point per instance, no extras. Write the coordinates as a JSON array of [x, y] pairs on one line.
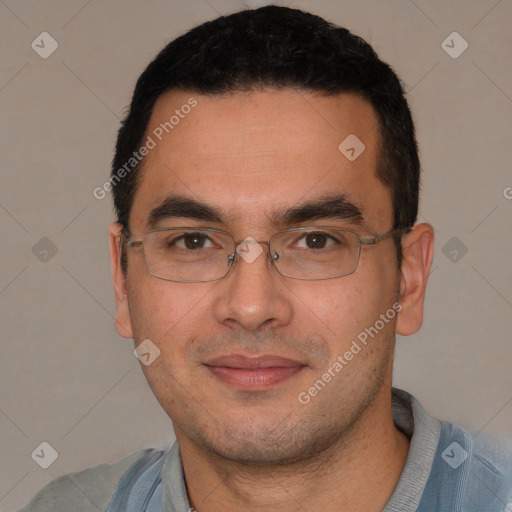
[[247, 254], [250, 240]]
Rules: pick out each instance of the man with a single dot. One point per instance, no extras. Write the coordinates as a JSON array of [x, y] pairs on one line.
[[266, 185]]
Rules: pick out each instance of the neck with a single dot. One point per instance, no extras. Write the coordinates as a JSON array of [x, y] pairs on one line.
[[358, 472]]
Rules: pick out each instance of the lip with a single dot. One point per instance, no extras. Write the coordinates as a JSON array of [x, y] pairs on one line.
[[253, 373]]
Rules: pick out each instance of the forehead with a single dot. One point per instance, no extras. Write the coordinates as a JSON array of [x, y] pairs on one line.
[[248, 154]]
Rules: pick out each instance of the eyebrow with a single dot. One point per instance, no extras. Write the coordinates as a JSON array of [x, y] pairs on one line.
[[327, 207], [183, 207]]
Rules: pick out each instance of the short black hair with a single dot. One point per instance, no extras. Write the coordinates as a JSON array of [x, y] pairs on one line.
[[283, 48]]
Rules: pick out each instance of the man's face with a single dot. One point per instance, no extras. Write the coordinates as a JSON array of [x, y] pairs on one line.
[[250, 156]]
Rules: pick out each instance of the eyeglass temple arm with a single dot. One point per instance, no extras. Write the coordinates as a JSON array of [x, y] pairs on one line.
[[132, 243], [377, 239], [129, 243]]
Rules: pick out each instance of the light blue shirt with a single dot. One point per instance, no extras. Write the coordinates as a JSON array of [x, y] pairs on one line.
[[447, 470]]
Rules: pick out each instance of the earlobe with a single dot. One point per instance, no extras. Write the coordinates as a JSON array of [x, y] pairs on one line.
[[418, 250], [122, 320]]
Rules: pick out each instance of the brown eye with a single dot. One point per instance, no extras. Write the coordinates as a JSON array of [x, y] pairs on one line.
[[316, 240], [194, 240]]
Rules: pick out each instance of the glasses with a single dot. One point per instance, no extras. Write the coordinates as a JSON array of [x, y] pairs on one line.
[[191, 255]]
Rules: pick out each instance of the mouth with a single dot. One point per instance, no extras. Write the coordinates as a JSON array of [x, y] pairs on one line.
[[253, 373]]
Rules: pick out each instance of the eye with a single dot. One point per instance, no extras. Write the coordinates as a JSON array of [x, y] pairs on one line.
[[316, 240], [191, 241]]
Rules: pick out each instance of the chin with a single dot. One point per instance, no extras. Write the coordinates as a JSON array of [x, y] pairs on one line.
[[263, 444]]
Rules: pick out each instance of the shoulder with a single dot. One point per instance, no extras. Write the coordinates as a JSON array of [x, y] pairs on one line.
[[491, 464], [479, 468], [489, 459], [87, 490]]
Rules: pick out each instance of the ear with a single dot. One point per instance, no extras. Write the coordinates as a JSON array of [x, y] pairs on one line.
[[418, 252], [122, 323]]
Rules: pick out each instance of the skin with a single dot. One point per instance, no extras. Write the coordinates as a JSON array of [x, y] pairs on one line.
[[248, 154]]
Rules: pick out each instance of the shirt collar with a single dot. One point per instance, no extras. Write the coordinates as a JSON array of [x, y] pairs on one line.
[[408, 415]]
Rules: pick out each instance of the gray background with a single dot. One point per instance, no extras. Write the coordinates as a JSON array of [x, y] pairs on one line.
[[66, 376]]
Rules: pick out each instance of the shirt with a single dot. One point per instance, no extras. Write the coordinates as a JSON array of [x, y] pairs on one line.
[[447, 470]]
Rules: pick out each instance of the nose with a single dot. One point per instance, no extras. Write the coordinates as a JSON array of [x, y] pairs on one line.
[[253, 295]]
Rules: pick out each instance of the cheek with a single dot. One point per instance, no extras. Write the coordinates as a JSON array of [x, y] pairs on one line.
[[349, 312], [164, 311], [356, 302], [151, 310]]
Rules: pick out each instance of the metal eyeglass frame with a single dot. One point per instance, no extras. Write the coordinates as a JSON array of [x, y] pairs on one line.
[[234, 256]]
